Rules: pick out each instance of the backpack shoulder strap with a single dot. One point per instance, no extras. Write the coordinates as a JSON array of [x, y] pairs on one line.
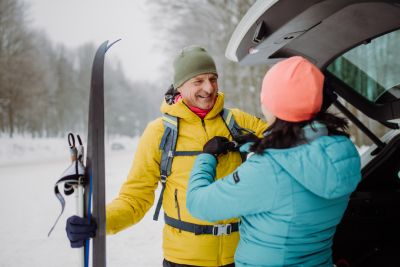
[[230, 122], [167, 146], [234, 128]]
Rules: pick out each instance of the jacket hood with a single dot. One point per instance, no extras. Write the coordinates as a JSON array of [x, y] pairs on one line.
[[181, 110], [328, 166]]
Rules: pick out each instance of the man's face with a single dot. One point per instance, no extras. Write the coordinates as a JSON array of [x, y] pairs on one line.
[[200, 91]]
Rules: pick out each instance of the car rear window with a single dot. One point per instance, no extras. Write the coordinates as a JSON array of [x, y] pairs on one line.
[[372, 69]]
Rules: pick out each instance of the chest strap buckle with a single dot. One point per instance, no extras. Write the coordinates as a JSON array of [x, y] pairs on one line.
[[222, 229]]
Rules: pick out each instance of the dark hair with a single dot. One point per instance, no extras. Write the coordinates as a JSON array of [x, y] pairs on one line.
[[285, 134]]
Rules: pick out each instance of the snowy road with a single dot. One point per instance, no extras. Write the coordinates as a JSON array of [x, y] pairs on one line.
[[28, 208]]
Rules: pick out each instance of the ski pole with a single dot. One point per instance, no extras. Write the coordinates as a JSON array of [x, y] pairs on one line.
[[79, 197], [79, 212]]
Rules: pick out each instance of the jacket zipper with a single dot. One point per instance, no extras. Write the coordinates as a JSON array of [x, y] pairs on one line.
[[220, 245], [177, 205], [203, 124]]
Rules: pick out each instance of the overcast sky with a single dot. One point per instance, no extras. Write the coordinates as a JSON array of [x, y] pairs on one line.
[[75, 22]]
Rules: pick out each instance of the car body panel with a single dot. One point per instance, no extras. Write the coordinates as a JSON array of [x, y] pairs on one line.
[[318, 30], [321, 31], [329, 33]]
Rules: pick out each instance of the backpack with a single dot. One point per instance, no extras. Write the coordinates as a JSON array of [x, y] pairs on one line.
[[168, 147]]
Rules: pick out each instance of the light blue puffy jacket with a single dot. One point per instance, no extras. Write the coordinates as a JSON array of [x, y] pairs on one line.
[[289, 200]]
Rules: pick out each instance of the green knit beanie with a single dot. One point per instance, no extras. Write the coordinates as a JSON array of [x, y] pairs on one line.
[[192, 61]]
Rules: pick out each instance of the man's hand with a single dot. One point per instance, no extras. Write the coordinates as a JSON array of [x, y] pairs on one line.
[[79, 229], [216, 145]]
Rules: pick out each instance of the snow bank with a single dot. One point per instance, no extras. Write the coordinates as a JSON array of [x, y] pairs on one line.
[[29, 168], [23, 149]]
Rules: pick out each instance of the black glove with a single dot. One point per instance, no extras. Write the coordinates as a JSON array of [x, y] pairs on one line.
[[241, 140], [79, 229], [216, 145], [246, 138]]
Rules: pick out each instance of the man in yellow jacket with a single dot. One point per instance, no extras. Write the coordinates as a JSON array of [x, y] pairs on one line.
[[197, 106]]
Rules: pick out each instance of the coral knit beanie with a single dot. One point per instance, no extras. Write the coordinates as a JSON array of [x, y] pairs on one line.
[[292, 90]]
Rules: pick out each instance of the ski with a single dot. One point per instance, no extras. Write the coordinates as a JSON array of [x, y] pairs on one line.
[[94, 198]]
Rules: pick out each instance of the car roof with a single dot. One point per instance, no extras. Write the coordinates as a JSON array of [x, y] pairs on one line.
[[319, 30]]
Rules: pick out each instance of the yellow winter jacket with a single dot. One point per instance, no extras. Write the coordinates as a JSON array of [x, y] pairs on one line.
[[137, 193]]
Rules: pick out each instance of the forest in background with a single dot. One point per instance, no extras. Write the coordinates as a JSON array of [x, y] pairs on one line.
[[210, 23], [44, 87]]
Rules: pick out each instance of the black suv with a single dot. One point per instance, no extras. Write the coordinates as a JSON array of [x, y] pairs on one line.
[[357, 46]]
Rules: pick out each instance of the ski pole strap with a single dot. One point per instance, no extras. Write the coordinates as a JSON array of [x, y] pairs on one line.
[[72, 176], [68, 181], [199, 229]]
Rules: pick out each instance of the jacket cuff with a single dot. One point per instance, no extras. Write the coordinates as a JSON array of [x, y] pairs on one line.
[[208, 158], [245, 148]]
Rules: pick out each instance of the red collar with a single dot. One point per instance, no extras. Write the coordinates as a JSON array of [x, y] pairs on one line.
[[202, 113]]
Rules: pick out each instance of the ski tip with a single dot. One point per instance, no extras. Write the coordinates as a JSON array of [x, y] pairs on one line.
[[116, 41]]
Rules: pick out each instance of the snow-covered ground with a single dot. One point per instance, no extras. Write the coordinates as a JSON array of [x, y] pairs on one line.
[[28, 170]]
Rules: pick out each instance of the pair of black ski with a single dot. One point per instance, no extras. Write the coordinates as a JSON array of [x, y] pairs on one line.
[[95, 164], [94, 186]]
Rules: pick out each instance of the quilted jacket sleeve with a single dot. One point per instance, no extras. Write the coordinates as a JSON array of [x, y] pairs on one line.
[[250, 189], [137, 193]]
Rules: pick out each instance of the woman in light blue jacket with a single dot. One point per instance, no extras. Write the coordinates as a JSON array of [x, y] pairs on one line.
[[294, 188]]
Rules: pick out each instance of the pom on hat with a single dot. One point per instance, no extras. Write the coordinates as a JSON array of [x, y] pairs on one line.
[[292, 90]]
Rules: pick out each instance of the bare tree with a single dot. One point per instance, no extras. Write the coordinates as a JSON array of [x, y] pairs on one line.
[[17, 59], [44, 89], [210, 23]]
